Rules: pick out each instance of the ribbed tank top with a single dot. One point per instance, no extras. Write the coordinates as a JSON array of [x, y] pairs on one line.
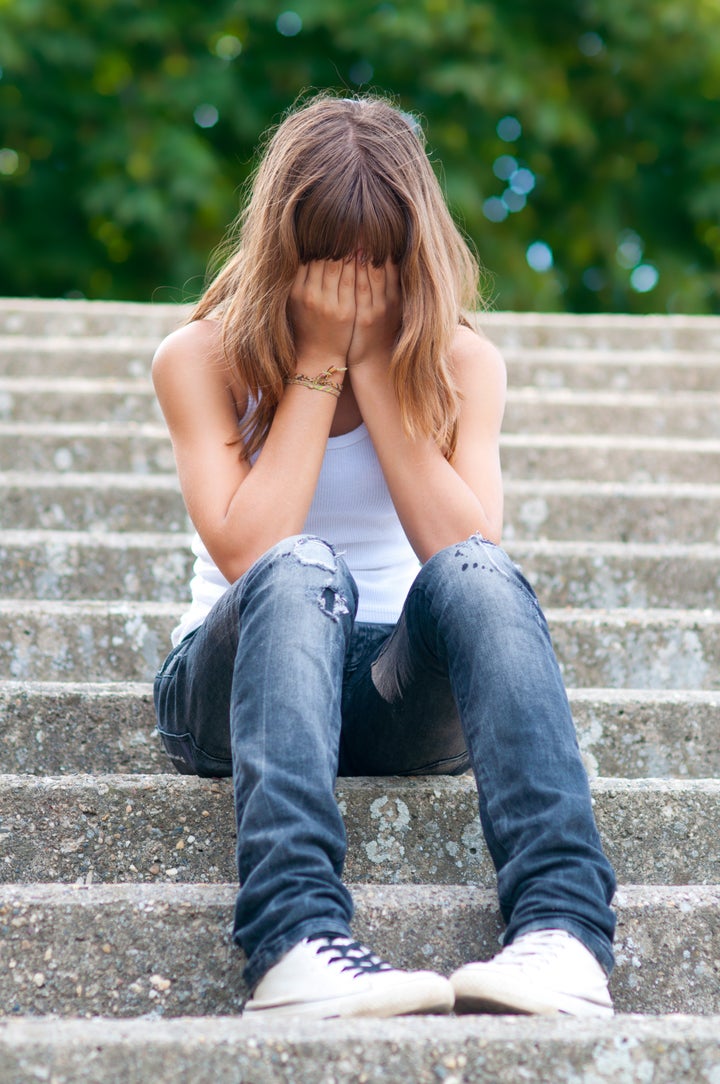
[[352, 510]]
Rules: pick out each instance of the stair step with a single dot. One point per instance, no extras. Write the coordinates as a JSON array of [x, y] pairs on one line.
[[99, 502], [606, 331], [127, 641], [145, 449], [569, 411], [606, 458], [69, 399], [602, 370], [555, 367], [77, 565], [423, 1050], [61, 727], [76, 318], [582, 511], [560, 411], [642, 512], [126, 950], [421, 830], [130, 565]]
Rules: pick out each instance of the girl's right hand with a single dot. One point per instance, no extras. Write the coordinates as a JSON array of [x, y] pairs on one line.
[[322, 313]]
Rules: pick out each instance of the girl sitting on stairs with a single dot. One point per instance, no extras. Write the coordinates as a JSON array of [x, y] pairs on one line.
[[335, 423]]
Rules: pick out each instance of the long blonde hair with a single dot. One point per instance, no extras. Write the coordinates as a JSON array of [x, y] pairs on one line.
[[339, 174]]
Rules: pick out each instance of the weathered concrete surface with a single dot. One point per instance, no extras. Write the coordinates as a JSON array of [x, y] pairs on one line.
[[48, 728], [555, 410], [591, 367], [611, 511], [69, 399], [424, 1050], [595, 368], [145, 448], [157, 566], [112, 320], [124, 950], [600, 575], [420, 830], [98, 502], [606, 331], [85, 446], [624, 732], [602, 458], [568, 410], [679, 513], [65, 727], [74, 318], [77, 565], [126, 641], [107, 357]]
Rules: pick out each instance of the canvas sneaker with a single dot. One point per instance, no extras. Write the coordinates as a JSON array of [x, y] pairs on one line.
[[545, 971], [327, 975]]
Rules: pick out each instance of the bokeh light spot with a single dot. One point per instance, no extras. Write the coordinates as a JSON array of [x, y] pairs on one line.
[[509, 129], [629, 250], [590, 44], [504, 166], [514, 201], [289, 24], [9, 161], [227, 47], [495, 210], [522, 181], [644, 278], [539, 256], [206, 116]]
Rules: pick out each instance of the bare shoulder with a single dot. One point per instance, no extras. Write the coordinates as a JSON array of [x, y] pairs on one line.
[[193, 380], [195, 345], [476, 361]]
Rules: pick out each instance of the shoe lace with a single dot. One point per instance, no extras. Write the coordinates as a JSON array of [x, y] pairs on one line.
[[356, 957], [538, 948]]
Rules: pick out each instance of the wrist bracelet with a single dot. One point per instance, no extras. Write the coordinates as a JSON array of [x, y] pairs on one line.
[[321, 382]]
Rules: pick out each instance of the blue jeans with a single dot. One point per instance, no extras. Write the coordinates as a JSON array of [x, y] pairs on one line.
[[281, 689]]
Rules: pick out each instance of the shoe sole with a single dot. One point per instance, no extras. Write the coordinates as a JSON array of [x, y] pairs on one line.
[[496, 998], [394, 1002]]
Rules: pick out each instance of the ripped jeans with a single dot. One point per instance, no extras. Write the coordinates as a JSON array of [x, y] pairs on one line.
[[282, 689]]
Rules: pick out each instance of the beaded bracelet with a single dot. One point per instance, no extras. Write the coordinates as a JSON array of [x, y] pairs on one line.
[[321, 382]]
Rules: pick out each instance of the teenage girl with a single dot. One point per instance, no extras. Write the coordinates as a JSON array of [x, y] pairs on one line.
[[335, 422]]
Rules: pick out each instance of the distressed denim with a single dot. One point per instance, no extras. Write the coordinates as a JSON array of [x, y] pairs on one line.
[[281, 689]]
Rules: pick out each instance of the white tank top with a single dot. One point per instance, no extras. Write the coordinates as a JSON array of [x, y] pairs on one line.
[[353, 511]]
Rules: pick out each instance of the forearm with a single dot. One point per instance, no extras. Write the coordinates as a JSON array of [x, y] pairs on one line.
[[435, 505], [274, 498]]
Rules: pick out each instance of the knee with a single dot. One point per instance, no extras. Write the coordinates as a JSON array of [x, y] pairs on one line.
[[473, 570], [310, 565]]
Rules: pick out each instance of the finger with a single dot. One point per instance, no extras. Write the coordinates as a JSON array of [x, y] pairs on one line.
[[332, 270], [315, 275], [346, 283], [376, 277], [363, 290]]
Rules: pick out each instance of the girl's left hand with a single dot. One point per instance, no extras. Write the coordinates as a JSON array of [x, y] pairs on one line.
[[378, 313]]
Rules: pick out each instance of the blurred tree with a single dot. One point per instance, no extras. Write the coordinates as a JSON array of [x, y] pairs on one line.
[[578, 140]]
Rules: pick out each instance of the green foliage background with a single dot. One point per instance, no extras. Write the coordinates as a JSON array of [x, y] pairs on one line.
[[127, 128]]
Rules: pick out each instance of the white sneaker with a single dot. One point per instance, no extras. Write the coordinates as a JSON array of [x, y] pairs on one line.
[[328, 976], [545, 971]]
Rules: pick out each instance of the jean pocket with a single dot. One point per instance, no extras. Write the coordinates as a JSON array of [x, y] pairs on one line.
[[174, 658], [189, 759]]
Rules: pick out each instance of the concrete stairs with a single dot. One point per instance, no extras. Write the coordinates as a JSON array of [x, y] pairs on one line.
[[117, 877]]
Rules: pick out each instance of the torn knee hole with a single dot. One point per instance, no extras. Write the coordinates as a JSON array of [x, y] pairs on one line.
[[332, 603]]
